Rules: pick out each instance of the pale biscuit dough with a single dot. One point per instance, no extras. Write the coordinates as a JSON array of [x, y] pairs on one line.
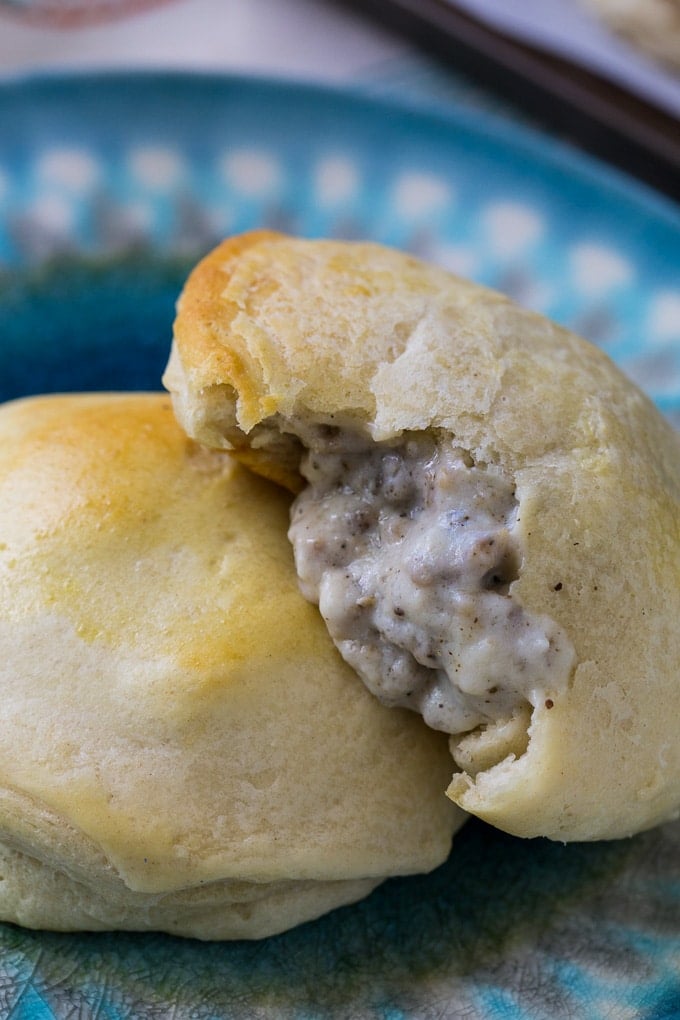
[[275, 335], [181, 747]]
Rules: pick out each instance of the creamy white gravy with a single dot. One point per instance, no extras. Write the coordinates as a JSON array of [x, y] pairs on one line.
[[410, 551]]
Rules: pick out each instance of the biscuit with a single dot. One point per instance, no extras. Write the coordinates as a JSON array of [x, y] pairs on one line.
[[181, 746], [489, 515]]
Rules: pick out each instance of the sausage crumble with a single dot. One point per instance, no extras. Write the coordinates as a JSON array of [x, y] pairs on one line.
[[408, 548]]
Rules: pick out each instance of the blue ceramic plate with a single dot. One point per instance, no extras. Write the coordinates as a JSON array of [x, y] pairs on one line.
[[110, 187]]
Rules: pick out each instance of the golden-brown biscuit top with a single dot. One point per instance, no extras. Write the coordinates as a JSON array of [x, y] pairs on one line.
[[169, 698]]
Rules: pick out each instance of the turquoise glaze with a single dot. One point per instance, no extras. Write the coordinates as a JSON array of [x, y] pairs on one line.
[[110, 187]]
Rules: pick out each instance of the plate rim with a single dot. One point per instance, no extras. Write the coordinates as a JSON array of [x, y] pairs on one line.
[[552, 151]]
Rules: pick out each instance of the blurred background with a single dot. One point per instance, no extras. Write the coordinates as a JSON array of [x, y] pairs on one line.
[[602, 73]]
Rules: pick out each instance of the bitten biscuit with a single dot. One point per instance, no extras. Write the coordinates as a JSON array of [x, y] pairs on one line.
[[488, 515]]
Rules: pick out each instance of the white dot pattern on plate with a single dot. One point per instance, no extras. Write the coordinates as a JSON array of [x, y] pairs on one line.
[[597, 269], [336, 180], [159, 169], [74, 169], [664, 315], [421, 194], [52, 212], [252, 172], [137, 217], [511, 227]]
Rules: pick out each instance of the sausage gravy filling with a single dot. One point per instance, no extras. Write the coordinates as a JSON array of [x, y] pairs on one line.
[[410, 551]]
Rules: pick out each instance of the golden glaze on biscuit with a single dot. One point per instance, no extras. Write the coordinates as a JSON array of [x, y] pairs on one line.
[[181, 747]]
